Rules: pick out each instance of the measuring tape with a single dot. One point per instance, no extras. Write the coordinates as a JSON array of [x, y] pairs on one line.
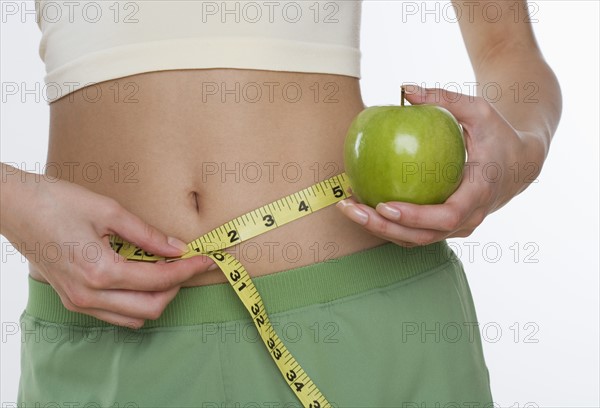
[[242, 228]]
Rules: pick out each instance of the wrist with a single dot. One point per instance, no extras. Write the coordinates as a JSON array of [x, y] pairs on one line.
[[16, 192], [524, 158], [534, 152]]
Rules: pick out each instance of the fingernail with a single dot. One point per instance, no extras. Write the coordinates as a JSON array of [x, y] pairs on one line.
[[213, 267], [388, 211], [414, 89], [175, 243], [422, 92], [357, 215]]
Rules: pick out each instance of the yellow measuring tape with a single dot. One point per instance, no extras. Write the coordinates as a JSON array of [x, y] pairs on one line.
[[242, 228]]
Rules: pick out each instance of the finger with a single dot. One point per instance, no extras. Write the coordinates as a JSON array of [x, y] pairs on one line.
[[404, 244], [133, 229], [104, 315], [447, 217], [466, 108], [146, 276], [114, 318], [348, 207], [132, 304], [439, 217], [386, 229], [401, 213]]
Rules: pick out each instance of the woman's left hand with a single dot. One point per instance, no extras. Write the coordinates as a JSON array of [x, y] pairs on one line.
[[496, 170]]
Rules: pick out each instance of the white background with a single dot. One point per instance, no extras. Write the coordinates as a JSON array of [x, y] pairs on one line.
[[538, 306]]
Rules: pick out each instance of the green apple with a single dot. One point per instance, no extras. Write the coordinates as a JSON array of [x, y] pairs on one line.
[[412, 153]]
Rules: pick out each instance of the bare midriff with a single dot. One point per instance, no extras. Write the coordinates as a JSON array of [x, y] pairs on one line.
[[188, 150]]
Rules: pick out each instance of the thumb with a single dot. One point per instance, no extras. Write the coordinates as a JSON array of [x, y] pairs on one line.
[[460, 105], [143, 235]]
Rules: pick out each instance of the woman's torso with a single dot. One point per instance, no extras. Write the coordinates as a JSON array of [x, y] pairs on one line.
[[189, 150]]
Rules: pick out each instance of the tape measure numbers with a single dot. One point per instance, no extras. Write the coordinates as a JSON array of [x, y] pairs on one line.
[[242, 228]]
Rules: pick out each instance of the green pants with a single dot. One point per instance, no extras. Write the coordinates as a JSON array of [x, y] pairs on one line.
[[383, 327]]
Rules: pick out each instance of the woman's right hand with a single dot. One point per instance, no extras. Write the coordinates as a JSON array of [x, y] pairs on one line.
[[62, 228]]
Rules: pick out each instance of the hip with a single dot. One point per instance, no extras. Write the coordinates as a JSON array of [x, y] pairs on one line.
[[385, 326]]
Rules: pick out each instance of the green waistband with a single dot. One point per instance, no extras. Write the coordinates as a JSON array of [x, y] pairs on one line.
[[290, 289]]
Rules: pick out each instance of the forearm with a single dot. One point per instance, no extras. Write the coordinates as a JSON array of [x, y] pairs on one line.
[[15, 192], [530, 98], [514, 77]]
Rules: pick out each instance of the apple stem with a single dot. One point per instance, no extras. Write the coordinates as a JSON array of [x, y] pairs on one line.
[[402, 94]]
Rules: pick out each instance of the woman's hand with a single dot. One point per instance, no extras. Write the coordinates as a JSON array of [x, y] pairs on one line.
[[497, 169], [63, 230]]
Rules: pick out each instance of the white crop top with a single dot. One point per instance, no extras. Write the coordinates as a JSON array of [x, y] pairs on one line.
[[86, 42]]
